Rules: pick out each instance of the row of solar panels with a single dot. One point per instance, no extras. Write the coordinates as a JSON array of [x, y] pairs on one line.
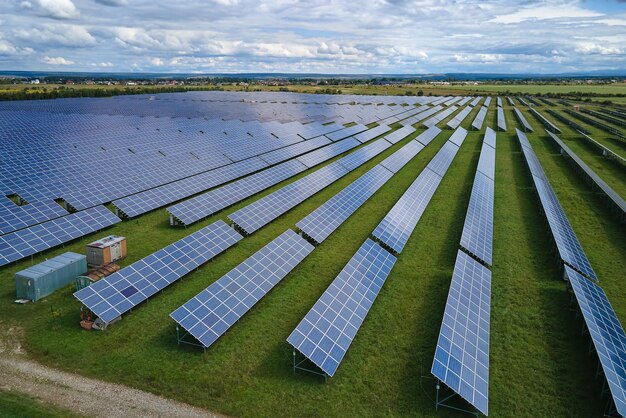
[[146, 275], [606, 332], [461, 359]]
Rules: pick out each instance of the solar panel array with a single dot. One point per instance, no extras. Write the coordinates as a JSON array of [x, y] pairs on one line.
[[29, 241], [477, 237], [261, 212], [462, 354], [607, 334], [396, 228], [549, 125], [421, 116], [476, 101], [567, 243], [116, 294], [501, 119], [617, 204], [440, 116], [206, 204], [327, 330], [480, 118], [346, 132], [399, 134], [523, 121], [459, 118], [372, 133], [324, 220], [209, 314], [14, 217]]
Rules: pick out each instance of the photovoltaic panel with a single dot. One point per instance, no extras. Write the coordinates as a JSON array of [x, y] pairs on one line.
[[372, 133], [477, 235], [490, 137], [326, 153], [487, 161], [458, 119], [209, 314], [259, 213], [475, 101], [116, 294], [607, 334], [462, 354], [399, 134], [428, 135], [346, 132], [327, 330], [442, 160], [458, 137], [523, 120], [282, 154], [487, 102], [363, 154], [501, 119], [480, 118], [551, 126], [396, 227], [19, 244], [143, 202], [14, 217], [401, 157], [324, 220], [206, 204]]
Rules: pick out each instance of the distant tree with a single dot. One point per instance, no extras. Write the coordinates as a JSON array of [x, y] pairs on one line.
[[420, 92]]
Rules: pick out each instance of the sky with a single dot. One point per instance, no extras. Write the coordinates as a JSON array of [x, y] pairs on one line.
[[313, 36]]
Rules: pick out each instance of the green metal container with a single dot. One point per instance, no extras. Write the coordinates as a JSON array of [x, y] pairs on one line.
[[44, 278]]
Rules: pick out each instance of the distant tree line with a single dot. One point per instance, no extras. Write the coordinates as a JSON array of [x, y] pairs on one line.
[[65, 92]]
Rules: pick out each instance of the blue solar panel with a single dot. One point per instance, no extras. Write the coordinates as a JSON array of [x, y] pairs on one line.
[[399, 134], [487, 161], [328, 329], [363, 154], [261, 212], [523, 120], [396, 227], [209, 314], [14, 217], [462, 354], [346, 132], [501, 119], [148, 200], [282, 154], [19, 244], [372, 133], [320, 223], [478, 228], [326, 153], [607, 334], [401, 157], [480, 118], [118, 293], [206, 204], [428, 135]]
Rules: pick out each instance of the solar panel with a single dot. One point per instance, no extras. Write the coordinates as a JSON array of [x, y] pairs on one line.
[[364, 154], [462, 354], [440, 116], [458, 137], [320, 223], [19, 244], [523, 120], [440, 162], [206, 204], [607, 334], [401, 157], [428, 135], [326, 153], [327, 330], [209, 314], [396, 227], [399, 134], [282, 154], [480, 118], [477, 235], [475, 101], [458, 119], [346, 132], [14, 217], [372, 133], [501, 119], [116, 294], [499, 101], [487, 102], [567, 243], [260, 212], [487, 161], [551, 126], [143, 202]]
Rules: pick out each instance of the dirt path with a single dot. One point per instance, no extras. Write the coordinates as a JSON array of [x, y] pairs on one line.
[[81, 395]]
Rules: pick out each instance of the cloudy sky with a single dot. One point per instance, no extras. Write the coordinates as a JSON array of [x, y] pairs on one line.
[[325, 36]]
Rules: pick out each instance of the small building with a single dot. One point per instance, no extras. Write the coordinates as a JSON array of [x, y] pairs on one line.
[[43, 279], [106, 250]]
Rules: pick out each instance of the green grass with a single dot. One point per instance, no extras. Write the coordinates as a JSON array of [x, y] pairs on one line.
[[16, 405], [539, 361]]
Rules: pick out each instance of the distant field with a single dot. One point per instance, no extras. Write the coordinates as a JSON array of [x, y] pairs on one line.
[[540, 365], [616, 88]]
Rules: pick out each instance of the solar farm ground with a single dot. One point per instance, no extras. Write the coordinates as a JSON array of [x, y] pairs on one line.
[[540, 364]]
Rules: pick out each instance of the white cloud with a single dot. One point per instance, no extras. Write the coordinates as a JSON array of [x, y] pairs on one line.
[[57, 61], [589, 48], [157, 62], [545, 12], [107, 64], [57, 9], [56, 35]]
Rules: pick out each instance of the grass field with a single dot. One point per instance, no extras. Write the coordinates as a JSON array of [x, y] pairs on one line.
[[539, 361], [15, 405]]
